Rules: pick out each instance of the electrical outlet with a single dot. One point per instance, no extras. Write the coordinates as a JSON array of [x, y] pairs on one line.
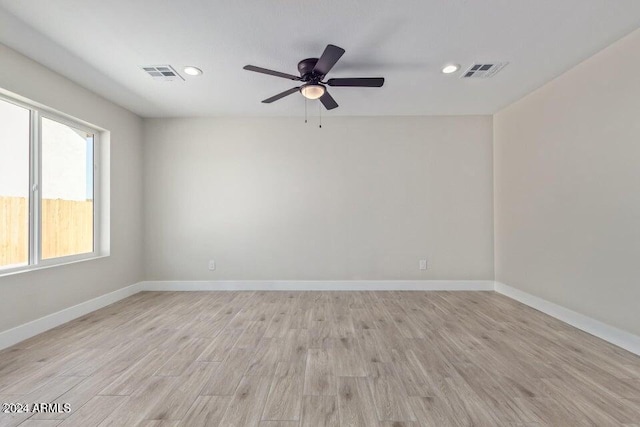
[[212, 264], [423, 264]]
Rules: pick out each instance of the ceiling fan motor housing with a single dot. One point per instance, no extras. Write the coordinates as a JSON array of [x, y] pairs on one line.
[[305, 67]]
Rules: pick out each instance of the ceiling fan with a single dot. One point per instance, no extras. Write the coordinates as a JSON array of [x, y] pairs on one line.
[[312, 72]]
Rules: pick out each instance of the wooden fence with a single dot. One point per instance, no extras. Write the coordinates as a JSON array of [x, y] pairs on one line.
[[67, 228]]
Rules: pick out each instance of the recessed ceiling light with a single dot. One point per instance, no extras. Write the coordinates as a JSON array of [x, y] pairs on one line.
[[450, 68], [192, 71]]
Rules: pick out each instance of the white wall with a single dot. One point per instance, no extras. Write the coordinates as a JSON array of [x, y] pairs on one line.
[[567, 189], [28, 296], [361, 198]]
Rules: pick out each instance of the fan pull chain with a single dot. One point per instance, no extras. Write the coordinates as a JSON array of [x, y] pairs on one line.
[[305, 109], [320, 114]]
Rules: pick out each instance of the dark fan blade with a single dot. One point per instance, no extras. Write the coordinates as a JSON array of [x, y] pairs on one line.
[[357, 82], [328, 59], [270, 72], [281, 95], [328, 101]]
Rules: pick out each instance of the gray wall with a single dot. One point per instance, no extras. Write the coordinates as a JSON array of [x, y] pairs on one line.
[[361, 198], [29, 296], [567, 188]]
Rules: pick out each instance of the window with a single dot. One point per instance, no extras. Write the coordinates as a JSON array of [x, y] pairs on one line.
[[48, 177], [14, 185], [67, 190]]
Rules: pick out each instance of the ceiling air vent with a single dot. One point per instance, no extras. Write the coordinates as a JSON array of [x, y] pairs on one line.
[[162, 72], [483, 71]]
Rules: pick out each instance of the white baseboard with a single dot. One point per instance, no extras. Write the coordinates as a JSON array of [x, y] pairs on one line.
[[38, 326], [611, 334], [319, 285]]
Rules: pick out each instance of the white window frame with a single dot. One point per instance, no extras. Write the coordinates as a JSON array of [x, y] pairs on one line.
[[36, 113]]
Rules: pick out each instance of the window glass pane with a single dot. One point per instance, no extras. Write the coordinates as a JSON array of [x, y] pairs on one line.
[[67, 190], [14, 185]]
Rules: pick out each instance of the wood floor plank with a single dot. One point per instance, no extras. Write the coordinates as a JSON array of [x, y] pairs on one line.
[[279, 423], [182, 396], [206, 411], [220, 346], [431, 411], [400, 424], [373, 349], [245, 408], [285, 396], [279, 324], [355, 403], [40, 423], [131, 379], [108, 358], [136, 407], [158, 423], [94, 411], [294, 351], [320, 374], [184, 357], [391, 400], [471, 403], [77, 395], [320, 411], [252, 334], [11, 419], [226, 379], [348, 357], [321, 335], [39, 373], [414, 376], [48, 393], [266, 357]]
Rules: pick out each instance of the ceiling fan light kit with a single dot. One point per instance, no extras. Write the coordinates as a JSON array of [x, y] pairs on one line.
[[312, 73], [312, 91]]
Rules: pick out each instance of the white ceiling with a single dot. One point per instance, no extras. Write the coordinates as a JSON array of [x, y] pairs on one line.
[[102, 44]]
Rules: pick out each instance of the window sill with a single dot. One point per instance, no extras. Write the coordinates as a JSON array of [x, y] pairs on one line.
[[30, 268]]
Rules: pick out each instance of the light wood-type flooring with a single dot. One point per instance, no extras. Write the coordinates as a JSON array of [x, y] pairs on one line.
[[289, 359]]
